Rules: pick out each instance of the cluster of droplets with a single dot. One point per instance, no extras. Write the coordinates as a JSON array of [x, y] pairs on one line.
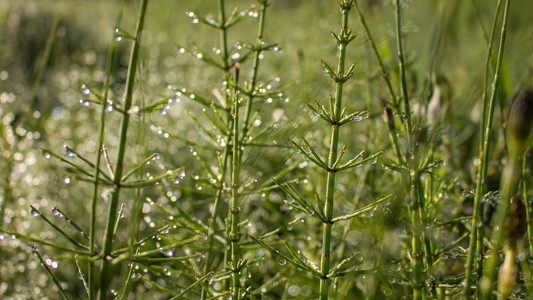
[[118, 38], [362, 116], [159, 131], [469, 193], [193, 16], [391, 171]]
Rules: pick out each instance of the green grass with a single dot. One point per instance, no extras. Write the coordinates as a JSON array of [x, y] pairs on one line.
[[250, 180]]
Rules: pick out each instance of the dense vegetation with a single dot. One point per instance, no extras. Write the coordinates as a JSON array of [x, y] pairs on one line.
[[282, 149]]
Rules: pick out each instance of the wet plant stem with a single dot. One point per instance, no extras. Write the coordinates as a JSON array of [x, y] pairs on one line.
[[511, 171], [384, 73], [235, 234], [477, 232], [403, 78], [527, 204], [417, 253], [333, 149], [101, 134], [226, 154], [416, 209], [255, 69], [112, 213]]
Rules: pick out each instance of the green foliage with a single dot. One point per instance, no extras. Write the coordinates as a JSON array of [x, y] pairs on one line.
[[265, 149]]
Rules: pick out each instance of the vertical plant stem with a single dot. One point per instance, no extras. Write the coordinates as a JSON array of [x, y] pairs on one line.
[[528, 206], [257, 59], [416, 212], [509, 174], [43, 61], [226, 153], [417, 253], [476, 235], [235, 235], [403, 78], [384, 73], [385, 76], [333, 149], [223, 36], [92, 232], [112, 213]]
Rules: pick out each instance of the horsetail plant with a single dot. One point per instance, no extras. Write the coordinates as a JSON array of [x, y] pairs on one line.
[[233, 142], [119, 167], [114, 179], [101, 133], [416, 209], [245, 197], [223, 25], [476, 246], [336, 116]]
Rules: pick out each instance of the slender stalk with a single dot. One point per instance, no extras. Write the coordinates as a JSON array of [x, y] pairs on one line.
[[223, 36], [388, 116], [43, 62], [257, 59], [101, 133], [476, 236], [112, 213], [417, 252], [225, 155], [385, 76], [508, 190], [333, 149], [528, 206], [384, 73], [403, 78], [234, 234], [416, 209], [511, 177]]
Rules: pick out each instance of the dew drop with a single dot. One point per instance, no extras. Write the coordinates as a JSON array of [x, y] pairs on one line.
[[84, 102], [68, 152], [33, 212], [282, 261]]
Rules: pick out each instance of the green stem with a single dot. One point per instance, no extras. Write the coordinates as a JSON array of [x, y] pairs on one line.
[[476, 236], [255, 72], [223, 36], [225, 156], [333, 148], [384, 73], [416, 242], [92, 240], [403, 78], [235, 235], [43, 62], [510, 178], [112, 213], [528, 206]]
